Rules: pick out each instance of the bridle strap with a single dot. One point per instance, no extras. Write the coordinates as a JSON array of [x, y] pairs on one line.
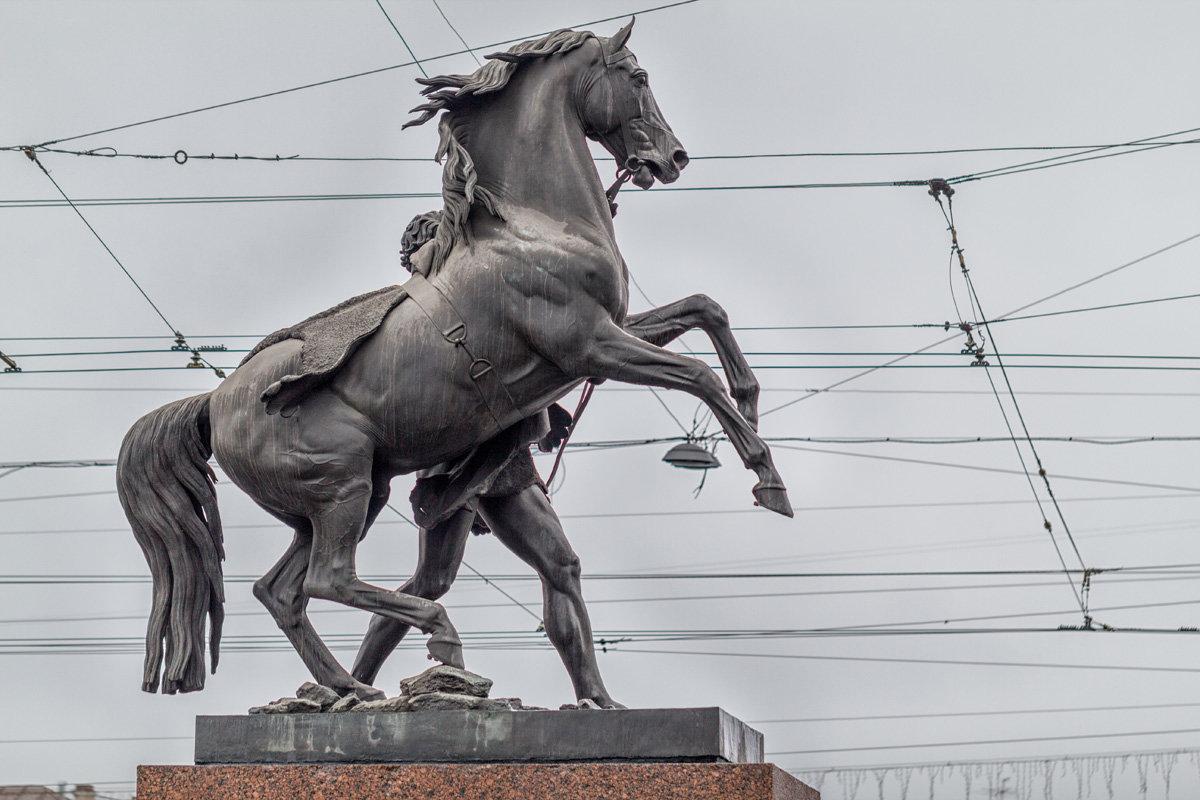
[[449, 323], [623, 176]]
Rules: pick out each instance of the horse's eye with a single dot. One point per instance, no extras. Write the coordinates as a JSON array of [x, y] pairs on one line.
[[641, 79]]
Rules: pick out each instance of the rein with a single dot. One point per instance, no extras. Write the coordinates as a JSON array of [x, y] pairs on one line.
[[584, 397], [623, 176]]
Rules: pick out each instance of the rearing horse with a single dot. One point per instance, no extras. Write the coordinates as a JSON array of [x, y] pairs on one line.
[[523, 299]]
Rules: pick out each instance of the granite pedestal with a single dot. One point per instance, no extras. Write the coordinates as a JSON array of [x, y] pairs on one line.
[[634, 754]]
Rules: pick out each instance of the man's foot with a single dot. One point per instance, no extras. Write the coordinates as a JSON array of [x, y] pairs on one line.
[[445, 646], [602, 699], [360, 690]]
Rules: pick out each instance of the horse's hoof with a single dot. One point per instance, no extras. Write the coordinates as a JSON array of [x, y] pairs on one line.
[[446, 650], [773, 498]]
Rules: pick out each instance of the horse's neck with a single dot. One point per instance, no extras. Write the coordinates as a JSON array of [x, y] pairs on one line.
[[529, 149]]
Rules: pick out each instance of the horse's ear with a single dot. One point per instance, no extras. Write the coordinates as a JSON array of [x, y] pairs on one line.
[[620, 38]]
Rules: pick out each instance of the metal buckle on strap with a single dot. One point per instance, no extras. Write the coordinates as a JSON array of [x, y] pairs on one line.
[[479, 367], [456, 334], [446, 320]]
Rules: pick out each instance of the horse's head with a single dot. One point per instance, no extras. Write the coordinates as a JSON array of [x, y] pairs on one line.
[[620, 112]]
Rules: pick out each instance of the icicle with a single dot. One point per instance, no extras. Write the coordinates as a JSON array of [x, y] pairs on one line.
[[1165, 763], [904, 776], [814, 779], [935, 775], [1048, 780], [1108, 766], [1077, 768], [850, 780], [880, 777], [1143, 765], [1025, 781]]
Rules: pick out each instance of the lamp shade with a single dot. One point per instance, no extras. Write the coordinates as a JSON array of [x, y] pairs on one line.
[[689, 455]]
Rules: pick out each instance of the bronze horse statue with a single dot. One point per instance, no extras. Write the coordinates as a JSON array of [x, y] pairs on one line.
[[514, 505], [522, 297]]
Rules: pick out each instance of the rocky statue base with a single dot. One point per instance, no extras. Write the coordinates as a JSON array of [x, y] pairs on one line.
[[442, 737]]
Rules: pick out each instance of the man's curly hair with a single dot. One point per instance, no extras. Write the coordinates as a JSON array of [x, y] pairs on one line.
[[421, 230]]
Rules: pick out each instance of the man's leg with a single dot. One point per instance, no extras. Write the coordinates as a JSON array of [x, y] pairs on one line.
[[526, 523], [441, 553]]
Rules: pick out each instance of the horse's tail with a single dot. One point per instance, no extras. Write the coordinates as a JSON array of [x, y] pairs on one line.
[[166, 488]]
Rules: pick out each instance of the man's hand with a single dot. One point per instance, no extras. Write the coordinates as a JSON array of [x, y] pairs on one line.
[[560, 426]]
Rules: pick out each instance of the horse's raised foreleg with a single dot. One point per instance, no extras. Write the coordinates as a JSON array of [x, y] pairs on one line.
[[441, 553], [331, 573], [615, 354], [664, 324], [527, 525], [281, 591]]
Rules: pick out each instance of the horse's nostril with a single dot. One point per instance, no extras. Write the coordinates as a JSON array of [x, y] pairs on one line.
[[680, 158]]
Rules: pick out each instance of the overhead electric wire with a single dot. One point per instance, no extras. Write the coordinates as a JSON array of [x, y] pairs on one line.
[[981, 713], [403, 41], [923, 661], [720, 512], [1049, 161], [765, 389], [892, 364], [67, 201], [1106, 273], [83, 739], [1081, 595], [276, 642], [971, 743], [674, 598], [943, 325], [1039, 760], [1187, 568], [978, 468], [946, 325], [757, 353], [179, 337], [685, 598], [458, 35], [321, 197], [351, 76], [866, 628], [476, 572], [182, 157]]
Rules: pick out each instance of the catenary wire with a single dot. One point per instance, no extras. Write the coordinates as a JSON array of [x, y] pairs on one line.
[[1104, 274], [403, 41], [858, 768], [978, 713], [944, 325], [351, 76], [318, 197], [971, 743]]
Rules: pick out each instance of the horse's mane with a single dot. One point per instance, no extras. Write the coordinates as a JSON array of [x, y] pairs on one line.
[[452, 94]]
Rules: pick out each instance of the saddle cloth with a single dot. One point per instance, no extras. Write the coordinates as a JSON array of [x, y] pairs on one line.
[[329, 339]]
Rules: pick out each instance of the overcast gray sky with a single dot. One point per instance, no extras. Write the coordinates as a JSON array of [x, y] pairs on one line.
[[745, 77]]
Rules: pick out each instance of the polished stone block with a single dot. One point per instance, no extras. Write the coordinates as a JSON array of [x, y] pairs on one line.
[[667, 734], [656, 781]]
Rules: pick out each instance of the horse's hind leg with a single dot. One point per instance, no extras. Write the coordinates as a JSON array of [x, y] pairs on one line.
[[281, 591], [441, 553], [331, 574]]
